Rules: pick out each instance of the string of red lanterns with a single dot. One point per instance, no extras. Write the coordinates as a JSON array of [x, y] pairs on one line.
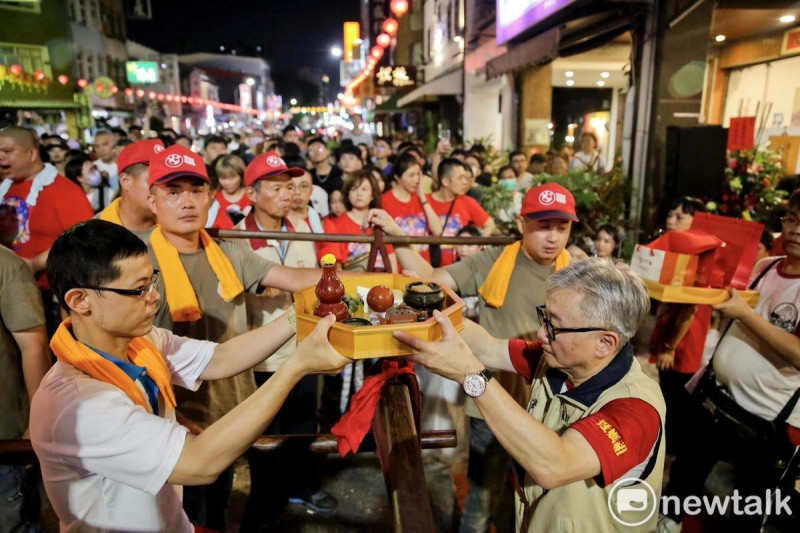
[[382, 41]]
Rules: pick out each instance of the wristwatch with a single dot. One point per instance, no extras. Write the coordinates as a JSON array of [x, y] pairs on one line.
[[475, 384]]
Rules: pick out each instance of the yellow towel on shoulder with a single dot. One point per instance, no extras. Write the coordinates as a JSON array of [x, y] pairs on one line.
[[181, 298], [141, 351], [111, 213], [495, 287]]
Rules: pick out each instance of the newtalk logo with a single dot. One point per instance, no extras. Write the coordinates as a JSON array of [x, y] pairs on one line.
[[632, 502]]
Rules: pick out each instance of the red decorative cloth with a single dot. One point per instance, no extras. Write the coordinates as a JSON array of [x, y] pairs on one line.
[[356, 422]]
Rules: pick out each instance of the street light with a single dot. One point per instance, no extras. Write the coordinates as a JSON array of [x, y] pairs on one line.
[[336, 51], [250, 81], [293, 101]]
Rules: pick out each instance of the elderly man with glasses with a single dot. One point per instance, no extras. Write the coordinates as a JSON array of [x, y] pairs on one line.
[[590, 443]]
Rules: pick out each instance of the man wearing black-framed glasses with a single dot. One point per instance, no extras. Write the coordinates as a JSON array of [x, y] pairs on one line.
[[594, 421], [103, 419]]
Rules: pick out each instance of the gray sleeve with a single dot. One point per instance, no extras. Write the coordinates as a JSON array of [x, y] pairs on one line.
[[470, 273], [20, 300], [251, 267]]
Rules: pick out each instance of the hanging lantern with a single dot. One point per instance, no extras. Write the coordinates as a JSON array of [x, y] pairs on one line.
[[16, 70], [390, 26], [83, 83], [151, 95], [99, 86], [140, 93], [39, 75], [184, 99], [129, 92], [169, 98], [399, 7], [63, 79], [114, 89], [161, 97], [383, 40], [377, 52]]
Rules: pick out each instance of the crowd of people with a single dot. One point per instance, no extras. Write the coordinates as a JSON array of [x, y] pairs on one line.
[[107, 264]]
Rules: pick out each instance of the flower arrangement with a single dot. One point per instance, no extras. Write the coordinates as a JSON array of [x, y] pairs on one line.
[[750, 190]]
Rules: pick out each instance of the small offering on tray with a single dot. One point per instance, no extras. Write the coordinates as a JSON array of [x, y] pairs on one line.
[[380, 298]]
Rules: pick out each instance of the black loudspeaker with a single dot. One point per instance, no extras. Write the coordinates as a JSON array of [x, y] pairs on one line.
[[695, 160]]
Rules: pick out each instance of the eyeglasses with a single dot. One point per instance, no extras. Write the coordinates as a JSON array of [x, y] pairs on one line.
[[789, 222], [142, 292], [551, 330]]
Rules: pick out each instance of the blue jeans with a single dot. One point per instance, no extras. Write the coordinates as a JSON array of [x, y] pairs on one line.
[[19, 499], [486, 476]]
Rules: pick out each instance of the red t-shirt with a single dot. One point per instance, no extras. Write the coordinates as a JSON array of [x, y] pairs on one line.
[[60, 205], [410, 216], [466, 210], [223, 221], [689, 351], [241, 205], [344, 251], [623, 433]]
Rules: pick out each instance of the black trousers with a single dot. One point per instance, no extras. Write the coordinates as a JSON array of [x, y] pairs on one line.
[[278, 475]]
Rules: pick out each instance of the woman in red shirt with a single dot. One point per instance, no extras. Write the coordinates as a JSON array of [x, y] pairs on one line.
[[231, 195], [407, 204], [361, 193]]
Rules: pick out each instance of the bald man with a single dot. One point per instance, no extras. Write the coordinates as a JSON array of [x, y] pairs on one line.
[[43, 202]]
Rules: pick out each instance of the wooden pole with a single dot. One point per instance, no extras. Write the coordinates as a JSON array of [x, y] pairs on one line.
[[396, 438], [329, 237], [20, 451]]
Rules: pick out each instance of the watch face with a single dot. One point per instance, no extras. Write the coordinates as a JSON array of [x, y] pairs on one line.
[[474, 385]]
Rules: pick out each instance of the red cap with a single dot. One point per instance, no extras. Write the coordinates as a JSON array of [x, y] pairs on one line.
[[176, 162], [549, 200], [267, 166], [139, 152]]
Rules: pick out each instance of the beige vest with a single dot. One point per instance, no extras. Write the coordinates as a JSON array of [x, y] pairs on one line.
[[272, 303], [583, 505]]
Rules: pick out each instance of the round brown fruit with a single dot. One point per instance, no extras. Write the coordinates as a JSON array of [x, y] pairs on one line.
[[380, 298]]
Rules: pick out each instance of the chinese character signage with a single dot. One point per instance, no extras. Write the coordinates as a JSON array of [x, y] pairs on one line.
[[378, 12], [142, 71], [398, 77]]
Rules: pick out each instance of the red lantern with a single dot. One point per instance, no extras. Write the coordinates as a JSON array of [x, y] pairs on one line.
[[383, 40], [399, 7], [39, 75], [151, 95], [390, 26], [140, 93], [63, 79], [377, 52], [114, 89], [169, 98], [184, 99], [99, 86], [83, 83], [129, 92], [161, 97], [16, 70]]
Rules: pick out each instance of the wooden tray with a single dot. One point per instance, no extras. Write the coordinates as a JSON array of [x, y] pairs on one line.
[[695, 295], [374, 341]]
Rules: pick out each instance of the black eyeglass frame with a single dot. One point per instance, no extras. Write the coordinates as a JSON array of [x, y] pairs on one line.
[[541, 312], [149, 288]]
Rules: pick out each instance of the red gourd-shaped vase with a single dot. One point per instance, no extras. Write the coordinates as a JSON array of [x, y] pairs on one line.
[[330, 291]]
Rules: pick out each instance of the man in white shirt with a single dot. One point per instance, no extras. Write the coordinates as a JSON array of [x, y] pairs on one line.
[[106, 157], [103, 425], [357, 134]]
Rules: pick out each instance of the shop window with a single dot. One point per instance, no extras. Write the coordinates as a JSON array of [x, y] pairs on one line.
[[29, 7], [30, 58], [94, 14], [82, 12]]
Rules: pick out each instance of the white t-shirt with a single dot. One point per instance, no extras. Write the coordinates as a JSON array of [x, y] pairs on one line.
[[364, 137], [111, 170], [760, 380], [319, 200], [105, 461]]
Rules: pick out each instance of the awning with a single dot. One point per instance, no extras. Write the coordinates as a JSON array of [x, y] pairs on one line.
[[450, 83], [39, 104], [537, 51]]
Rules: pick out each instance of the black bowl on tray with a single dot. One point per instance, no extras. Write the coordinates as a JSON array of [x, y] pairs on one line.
[[424, 295]]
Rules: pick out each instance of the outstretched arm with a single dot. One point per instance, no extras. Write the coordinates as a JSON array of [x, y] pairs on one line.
[[206, 455]]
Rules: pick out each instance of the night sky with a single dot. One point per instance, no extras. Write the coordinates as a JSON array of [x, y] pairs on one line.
[[292, 33]]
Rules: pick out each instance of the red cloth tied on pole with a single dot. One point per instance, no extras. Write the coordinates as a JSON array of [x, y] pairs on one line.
[[357, 421]]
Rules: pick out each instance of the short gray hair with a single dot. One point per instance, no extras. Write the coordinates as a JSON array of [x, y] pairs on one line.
[[612, 296]]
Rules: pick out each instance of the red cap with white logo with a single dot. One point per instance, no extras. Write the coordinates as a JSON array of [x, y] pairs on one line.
[[176, 162], [549, 200], [269, 165], [139, 152]]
